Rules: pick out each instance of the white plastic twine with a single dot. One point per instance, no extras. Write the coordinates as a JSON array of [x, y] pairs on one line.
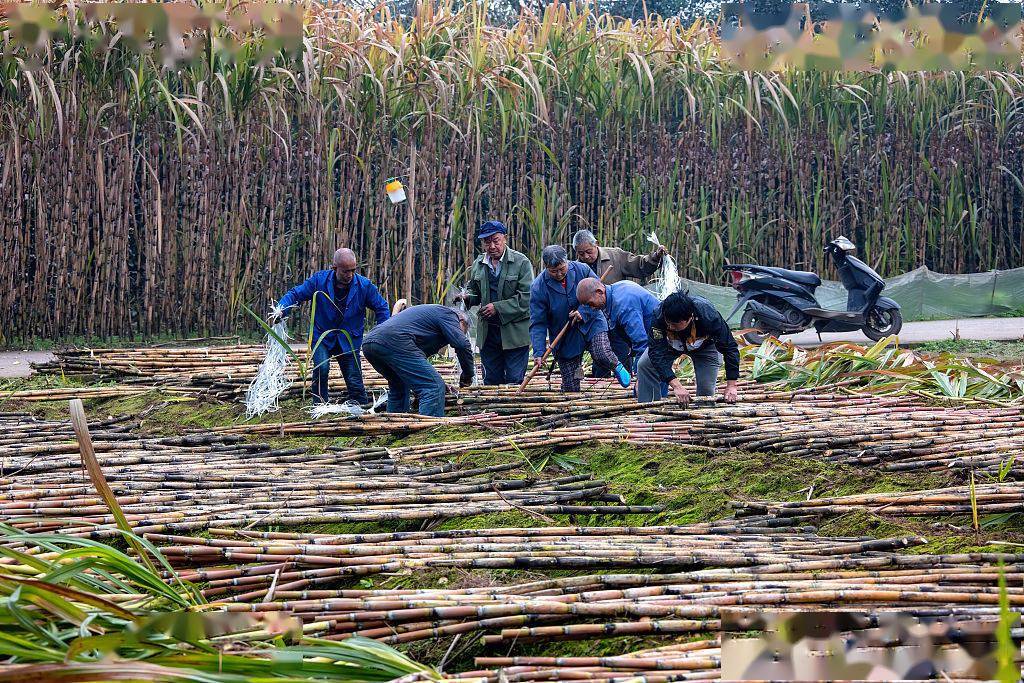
[[271, 379], [318, 410], [666, 280], [472, 337]]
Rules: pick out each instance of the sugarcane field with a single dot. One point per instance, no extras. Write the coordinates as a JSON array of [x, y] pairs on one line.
[[434, 341]]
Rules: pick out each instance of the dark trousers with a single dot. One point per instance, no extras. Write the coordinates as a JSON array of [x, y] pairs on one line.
[[620, 346], [502, 366], [407, 369], [351, 370]]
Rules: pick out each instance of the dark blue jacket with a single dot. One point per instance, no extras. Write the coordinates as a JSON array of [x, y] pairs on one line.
[[362, 294], [550, 305], [429, 328], [630, 309]]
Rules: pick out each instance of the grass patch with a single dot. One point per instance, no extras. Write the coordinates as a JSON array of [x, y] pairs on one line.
[[244, 336], [982, 348]]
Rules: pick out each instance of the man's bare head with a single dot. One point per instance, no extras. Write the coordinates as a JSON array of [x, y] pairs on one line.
[[344, 265], [590, 292]]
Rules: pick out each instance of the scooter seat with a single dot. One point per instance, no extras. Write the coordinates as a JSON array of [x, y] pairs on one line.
[[802, 277]]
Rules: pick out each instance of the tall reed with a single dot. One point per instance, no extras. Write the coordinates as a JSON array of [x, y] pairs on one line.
[[137, 199]]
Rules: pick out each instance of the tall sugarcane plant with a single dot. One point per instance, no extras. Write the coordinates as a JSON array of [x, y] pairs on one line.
[[138, 198]]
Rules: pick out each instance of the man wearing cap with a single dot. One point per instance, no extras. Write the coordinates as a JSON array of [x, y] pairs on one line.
[[500, 284]]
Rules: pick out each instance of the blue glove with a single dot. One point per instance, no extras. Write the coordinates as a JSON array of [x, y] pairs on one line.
[[622, 375]]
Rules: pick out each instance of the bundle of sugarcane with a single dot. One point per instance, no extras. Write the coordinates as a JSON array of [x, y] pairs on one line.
[[368, 425], [892, 437], [698, 660], [84, 393], [221, 371], [151, 361], [602, 606], [633, 431], [957, 500], [301, 561], [188, 483]]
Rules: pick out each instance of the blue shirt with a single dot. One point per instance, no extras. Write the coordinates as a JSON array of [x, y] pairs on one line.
[[333, 316], [550, 304], [630, 309]]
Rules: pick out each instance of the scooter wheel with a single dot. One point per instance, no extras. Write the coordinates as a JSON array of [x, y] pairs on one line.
[[749, 322], [883, 323]]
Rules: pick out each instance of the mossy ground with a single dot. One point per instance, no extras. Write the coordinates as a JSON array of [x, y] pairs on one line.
[[691, 485], [976, 348]]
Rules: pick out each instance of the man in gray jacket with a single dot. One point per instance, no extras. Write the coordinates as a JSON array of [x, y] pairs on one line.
[[624, 266]]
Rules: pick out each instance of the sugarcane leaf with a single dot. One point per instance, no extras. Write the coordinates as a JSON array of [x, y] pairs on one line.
[[45, 587], [990, 521], [92, 466]]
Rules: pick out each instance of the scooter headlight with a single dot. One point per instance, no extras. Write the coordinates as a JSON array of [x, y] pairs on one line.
[[844, 244]]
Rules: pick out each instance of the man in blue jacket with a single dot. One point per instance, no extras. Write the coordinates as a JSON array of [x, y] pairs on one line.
[[627, 308], [400, 350], [552, 304], [340, 298]]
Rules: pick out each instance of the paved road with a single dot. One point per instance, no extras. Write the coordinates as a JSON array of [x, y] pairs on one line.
[[933, 330], [16, 363]]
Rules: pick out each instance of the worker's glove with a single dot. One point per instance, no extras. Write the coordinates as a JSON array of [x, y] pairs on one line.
[[276, 315], [622, 375], [465, 381]]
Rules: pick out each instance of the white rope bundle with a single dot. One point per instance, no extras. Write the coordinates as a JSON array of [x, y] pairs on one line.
[[318, 410], [450, 354], [271, 379], [666, 281]]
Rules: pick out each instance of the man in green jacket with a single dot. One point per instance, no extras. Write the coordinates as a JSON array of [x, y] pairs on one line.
[[500, 284]]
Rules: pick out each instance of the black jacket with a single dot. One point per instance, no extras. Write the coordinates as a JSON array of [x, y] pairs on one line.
[[709, 323]]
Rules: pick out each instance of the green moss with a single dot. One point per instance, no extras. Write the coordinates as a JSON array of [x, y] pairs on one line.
[[696, 486], [999, 350]]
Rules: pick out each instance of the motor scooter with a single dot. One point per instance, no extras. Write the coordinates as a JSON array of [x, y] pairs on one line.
[[780, 301]]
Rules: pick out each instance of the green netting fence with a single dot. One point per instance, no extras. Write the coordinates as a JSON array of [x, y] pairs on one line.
[[922, 294]]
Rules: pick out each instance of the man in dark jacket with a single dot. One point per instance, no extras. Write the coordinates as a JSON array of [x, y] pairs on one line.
[[340, 298], [689, 325], [500, 284], [399, 349]]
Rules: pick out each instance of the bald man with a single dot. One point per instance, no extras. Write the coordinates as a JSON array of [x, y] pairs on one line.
[[342, 297], [628, 309]]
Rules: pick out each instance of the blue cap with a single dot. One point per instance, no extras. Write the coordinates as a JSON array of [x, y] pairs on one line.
[[491, 228]]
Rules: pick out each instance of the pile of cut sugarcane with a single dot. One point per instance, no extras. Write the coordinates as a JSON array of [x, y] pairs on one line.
[[297, 561], [984, 499], [222, 372], [690, 602], [884, 368], [192, 482]]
